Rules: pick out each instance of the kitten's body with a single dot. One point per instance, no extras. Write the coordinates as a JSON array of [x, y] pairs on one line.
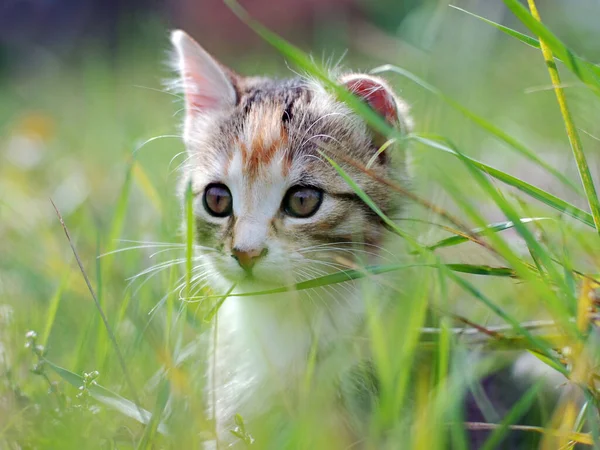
[[271, 211]]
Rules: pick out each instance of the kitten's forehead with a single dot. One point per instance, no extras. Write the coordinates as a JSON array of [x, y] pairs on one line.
[[277, 129], [264, 138], [267, 127]]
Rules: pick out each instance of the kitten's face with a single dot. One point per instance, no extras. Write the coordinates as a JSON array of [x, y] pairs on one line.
[[269, 209]]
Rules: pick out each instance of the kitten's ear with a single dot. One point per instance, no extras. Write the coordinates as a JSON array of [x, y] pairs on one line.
[[380, 97], [205, 84], [376, 93]]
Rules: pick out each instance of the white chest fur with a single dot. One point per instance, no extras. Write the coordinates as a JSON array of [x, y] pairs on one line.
[[261, 347]]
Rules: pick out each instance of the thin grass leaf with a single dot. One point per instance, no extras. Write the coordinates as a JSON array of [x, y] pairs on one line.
[[482, 269], [106, 397], [546, 291], [213, 312], [369, 202], [532, 42], [109, 331], [528, 40], [483, 124], [533, 191], [586, 72], [120, 212], [164, 391], [143, 181], [443, 353], [492, 228], [416, 320], [470, 288], [511, 214], [189, 238], [514, 415], [102, 344], [549, 362], [356, 274], [580, 438], [52, 308], [537, 341], [574, 140]]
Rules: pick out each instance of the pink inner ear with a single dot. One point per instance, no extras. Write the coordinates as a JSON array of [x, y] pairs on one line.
[[199, 99], [376, 95]]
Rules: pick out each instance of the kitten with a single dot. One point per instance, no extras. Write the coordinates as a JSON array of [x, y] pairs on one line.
[[271, 211]]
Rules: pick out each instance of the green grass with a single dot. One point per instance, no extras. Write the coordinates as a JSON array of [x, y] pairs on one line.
[[497, 234]]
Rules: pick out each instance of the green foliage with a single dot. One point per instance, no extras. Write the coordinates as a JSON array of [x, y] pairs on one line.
[[119, 363]]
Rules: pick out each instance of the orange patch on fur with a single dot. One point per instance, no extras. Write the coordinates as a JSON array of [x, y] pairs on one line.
[[262, 152]]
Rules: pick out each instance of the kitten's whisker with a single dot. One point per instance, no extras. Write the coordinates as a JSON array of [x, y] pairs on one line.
[[150, 244], [162, 91], [328, 136], [353, 252], [162, 301], [159, 266], [356, 243], [165, 265], [131, 241], [349, 243], [320, 273], [155, 138], [135, 247], [173, 159], [318, 290], [201, 279], [305, 275], [195, 298], [328, 288], [185, 161], [332, 264], [152, 255], [151, 276], [141, 285], [336, 269], [325, 116]]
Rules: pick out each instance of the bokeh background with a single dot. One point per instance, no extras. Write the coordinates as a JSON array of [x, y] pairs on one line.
[[85, 120]]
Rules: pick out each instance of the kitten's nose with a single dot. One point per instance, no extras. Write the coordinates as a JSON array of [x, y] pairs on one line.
[[248, 258]]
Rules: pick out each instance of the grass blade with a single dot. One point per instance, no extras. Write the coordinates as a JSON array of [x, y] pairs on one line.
[[189, 238], [492, 228], [534, 340], [356, 274], [120, 212], [533, 191], [514, 415], [578, 438], [215, 309], [143, 181], [586, 72], [482, 123], [466, 285], [574, 140], [154, 422], [528, 40], [53, 308], [106, 397], [109, 331], [514, 33]]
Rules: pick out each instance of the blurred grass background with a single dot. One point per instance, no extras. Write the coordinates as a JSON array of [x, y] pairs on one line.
[[84, 120]]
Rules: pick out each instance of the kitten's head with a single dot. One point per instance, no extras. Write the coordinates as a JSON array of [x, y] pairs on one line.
[[268, 205]]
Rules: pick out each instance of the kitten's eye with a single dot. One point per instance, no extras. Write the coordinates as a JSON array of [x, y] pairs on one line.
[[217, 200], [302, 201]]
